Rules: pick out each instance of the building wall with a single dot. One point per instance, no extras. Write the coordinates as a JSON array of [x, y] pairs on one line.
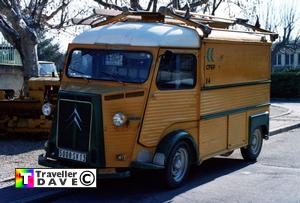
[[11, 74], [8, 54], [11, 78], [287, 59]]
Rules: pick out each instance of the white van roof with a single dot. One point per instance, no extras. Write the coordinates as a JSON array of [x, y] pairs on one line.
[[141, 34]]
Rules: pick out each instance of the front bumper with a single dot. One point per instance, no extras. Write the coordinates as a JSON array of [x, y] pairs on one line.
[[52, 163], [44, 161]]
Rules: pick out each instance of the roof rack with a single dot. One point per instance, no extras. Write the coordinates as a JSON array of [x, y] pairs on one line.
[[206, 23], [221, 22]]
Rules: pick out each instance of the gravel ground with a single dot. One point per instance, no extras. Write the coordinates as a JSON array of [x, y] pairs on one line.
[[18, 152]]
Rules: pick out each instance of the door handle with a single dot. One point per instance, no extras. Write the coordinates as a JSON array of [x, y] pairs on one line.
[[155, 94]]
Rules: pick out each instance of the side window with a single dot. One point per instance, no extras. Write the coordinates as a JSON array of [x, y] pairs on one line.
[[177, 71]]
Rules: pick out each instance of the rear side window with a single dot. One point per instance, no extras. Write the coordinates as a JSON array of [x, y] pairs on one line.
[[177, 71]]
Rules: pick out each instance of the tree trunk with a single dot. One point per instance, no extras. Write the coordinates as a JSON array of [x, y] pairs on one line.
[[30, 62]]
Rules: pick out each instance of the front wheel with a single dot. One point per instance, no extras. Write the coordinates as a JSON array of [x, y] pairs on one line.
[[251, 152], [178, 165]]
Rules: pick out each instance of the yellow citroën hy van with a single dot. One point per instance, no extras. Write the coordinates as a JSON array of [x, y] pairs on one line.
[[163, 91]]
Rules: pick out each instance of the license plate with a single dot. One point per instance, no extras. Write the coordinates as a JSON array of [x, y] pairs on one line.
[[68, 154]]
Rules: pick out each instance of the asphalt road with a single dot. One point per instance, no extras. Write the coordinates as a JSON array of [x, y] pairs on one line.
[[275, 177]]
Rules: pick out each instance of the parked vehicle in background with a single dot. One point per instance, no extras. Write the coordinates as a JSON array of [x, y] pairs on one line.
[[161, 91], [47, 69], [24, 114]]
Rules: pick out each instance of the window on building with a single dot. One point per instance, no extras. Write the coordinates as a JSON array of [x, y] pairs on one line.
[[279, 59], [8, 54], [287, 59], [292, 59], [177, 71]]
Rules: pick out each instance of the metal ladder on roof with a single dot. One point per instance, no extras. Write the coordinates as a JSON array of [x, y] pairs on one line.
[[206, 23]]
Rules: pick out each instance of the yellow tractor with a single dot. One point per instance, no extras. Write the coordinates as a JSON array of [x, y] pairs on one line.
[[24, 114]]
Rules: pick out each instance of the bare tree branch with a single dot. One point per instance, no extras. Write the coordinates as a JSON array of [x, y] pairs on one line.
[[154, 6], [216, 6], [288, 22], [135, 5], [39, 10], [169, 4], [9, 33], [149, 5], [108, 5], [198, 3], [21, 20], [59, 9]]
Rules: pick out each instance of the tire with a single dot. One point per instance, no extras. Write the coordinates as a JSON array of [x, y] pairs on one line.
[[178, 165], [252, 151]]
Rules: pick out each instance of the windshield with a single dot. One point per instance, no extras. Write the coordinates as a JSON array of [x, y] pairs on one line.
[[46, 69], [114, 65]]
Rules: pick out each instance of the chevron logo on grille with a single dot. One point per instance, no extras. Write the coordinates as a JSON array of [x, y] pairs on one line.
[[75, 119]]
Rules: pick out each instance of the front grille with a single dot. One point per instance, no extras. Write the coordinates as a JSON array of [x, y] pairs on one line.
[[74, 124]]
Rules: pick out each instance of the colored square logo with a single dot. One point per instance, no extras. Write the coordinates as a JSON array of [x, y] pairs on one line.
[[24, 178]]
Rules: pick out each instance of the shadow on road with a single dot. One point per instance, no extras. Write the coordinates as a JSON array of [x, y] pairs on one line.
[[23, 136], [14, 144], [149, 188]]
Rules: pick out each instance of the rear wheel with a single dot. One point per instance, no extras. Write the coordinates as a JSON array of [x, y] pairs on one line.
[[251, 152], [178, 164]]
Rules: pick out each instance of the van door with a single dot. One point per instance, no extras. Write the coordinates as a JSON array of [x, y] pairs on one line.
[[173, 98]]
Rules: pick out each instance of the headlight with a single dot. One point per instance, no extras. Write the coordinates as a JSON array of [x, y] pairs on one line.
[[119, 119], [46, 109]]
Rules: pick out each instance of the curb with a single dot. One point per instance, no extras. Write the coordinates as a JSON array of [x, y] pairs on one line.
[[9, 179], [284, 129], [289, 111]]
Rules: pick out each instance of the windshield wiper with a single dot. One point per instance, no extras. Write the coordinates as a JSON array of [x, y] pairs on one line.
[[83, 75], [112, 76]]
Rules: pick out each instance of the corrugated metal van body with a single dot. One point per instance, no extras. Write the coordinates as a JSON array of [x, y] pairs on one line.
[[228, 62], [235, 85], [170, 110], [121, 140], [166, 110], [220, 100]]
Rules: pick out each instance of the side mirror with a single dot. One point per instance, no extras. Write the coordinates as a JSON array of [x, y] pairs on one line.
[[167, 56], [60, 73]]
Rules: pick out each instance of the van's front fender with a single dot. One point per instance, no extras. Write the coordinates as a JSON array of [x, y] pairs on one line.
[[167, 143]]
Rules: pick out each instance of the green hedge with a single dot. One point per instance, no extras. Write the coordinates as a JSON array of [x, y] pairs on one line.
[[285, 85]]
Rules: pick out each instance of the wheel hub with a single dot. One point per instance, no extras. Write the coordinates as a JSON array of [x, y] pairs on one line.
[[179, 164], [255, 142]]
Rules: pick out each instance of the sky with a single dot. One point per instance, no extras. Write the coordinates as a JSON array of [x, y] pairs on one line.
[[64, 38]]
